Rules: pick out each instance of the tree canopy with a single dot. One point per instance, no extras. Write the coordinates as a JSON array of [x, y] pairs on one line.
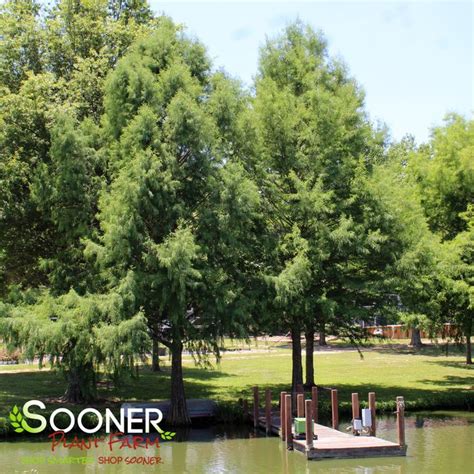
[[149, 198]]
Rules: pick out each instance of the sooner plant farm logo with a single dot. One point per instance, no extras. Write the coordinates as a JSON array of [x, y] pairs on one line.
[[18, 421], [126, 422]]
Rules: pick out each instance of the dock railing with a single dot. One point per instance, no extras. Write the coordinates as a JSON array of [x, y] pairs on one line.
[[308, 408]]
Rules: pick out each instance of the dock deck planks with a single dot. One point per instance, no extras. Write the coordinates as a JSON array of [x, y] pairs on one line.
[[336, 444]]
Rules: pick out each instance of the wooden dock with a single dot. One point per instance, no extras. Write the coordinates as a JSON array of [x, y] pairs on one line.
[[325, 442]]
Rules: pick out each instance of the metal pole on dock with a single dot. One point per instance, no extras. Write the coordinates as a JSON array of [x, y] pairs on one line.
[[355, 408], [314, 404], [300, 405], [268, 411], [309, 424], [289, 422], [283, 416], [255, 407], [335, 409], [401, 420], [372, 412]]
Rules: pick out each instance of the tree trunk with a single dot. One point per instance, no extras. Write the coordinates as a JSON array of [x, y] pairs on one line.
[[416, 338], [468, 343], [297, 368], [178, 415], [155, 358], [81, 385], [309, 336], [322, 335]]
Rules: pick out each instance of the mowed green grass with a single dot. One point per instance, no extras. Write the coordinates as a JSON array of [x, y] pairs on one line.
[[427, 379]]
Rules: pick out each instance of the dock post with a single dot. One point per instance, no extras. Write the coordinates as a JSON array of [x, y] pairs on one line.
[[282, 416], [268, 411], [314, 404], [372, 412], [401, 421], [309, 424], [289, 422], [300, 405], [298, 389], [355, 409], [335, 409], [255, 407]]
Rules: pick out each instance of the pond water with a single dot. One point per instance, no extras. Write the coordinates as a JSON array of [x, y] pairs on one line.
[[437, 443]]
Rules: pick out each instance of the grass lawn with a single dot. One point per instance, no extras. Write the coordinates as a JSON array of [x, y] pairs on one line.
[[427, 379]]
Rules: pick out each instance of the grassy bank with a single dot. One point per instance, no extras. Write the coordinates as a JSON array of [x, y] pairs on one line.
[[427, 379]]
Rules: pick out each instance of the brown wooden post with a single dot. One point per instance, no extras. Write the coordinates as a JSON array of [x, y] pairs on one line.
[[314, 404], [268, 411], [309, 425], [289, 422], [355, 408], [255, 407], [282, 416], [335, 409], [401, 421], [300, 405], [372, 412], [298, 389]]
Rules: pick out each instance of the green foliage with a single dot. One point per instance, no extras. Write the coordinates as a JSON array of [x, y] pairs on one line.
[[79, 335], [25, 233], [66, 190], [22, 42], [317, 149], [176, 215], [445, 172], [53, 60], [144, 194], [414, 275]]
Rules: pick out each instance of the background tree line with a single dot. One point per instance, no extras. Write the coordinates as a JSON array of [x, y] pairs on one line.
[[148, 198]]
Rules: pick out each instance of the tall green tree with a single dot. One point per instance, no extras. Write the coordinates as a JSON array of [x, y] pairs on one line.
[[458, 281], [413, 279], [177, 217], [444, 171], [317, 148]]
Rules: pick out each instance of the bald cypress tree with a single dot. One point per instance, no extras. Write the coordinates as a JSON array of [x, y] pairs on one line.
[[317, 149], [178, 208]]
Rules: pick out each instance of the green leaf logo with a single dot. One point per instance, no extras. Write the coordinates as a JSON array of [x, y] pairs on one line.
[[167, 435], [16, 418]]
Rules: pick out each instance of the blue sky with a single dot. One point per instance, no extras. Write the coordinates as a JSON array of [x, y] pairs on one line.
[[415, 60]]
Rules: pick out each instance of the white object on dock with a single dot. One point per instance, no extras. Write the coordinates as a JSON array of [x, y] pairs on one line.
[[366, 417]]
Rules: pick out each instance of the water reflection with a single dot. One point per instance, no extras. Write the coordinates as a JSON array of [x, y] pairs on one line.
[[438, 443]]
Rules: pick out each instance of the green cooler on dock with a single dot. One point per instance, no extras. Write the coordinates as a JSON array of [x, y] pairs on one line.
[[300, 426]]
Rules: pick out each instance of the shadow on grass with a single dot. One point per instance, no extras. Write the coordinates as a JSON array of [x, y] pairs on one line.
[[156, 385], [415, 398], [453, 381], [19, 387], [431, 350], [49, 386], [455, 364]]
